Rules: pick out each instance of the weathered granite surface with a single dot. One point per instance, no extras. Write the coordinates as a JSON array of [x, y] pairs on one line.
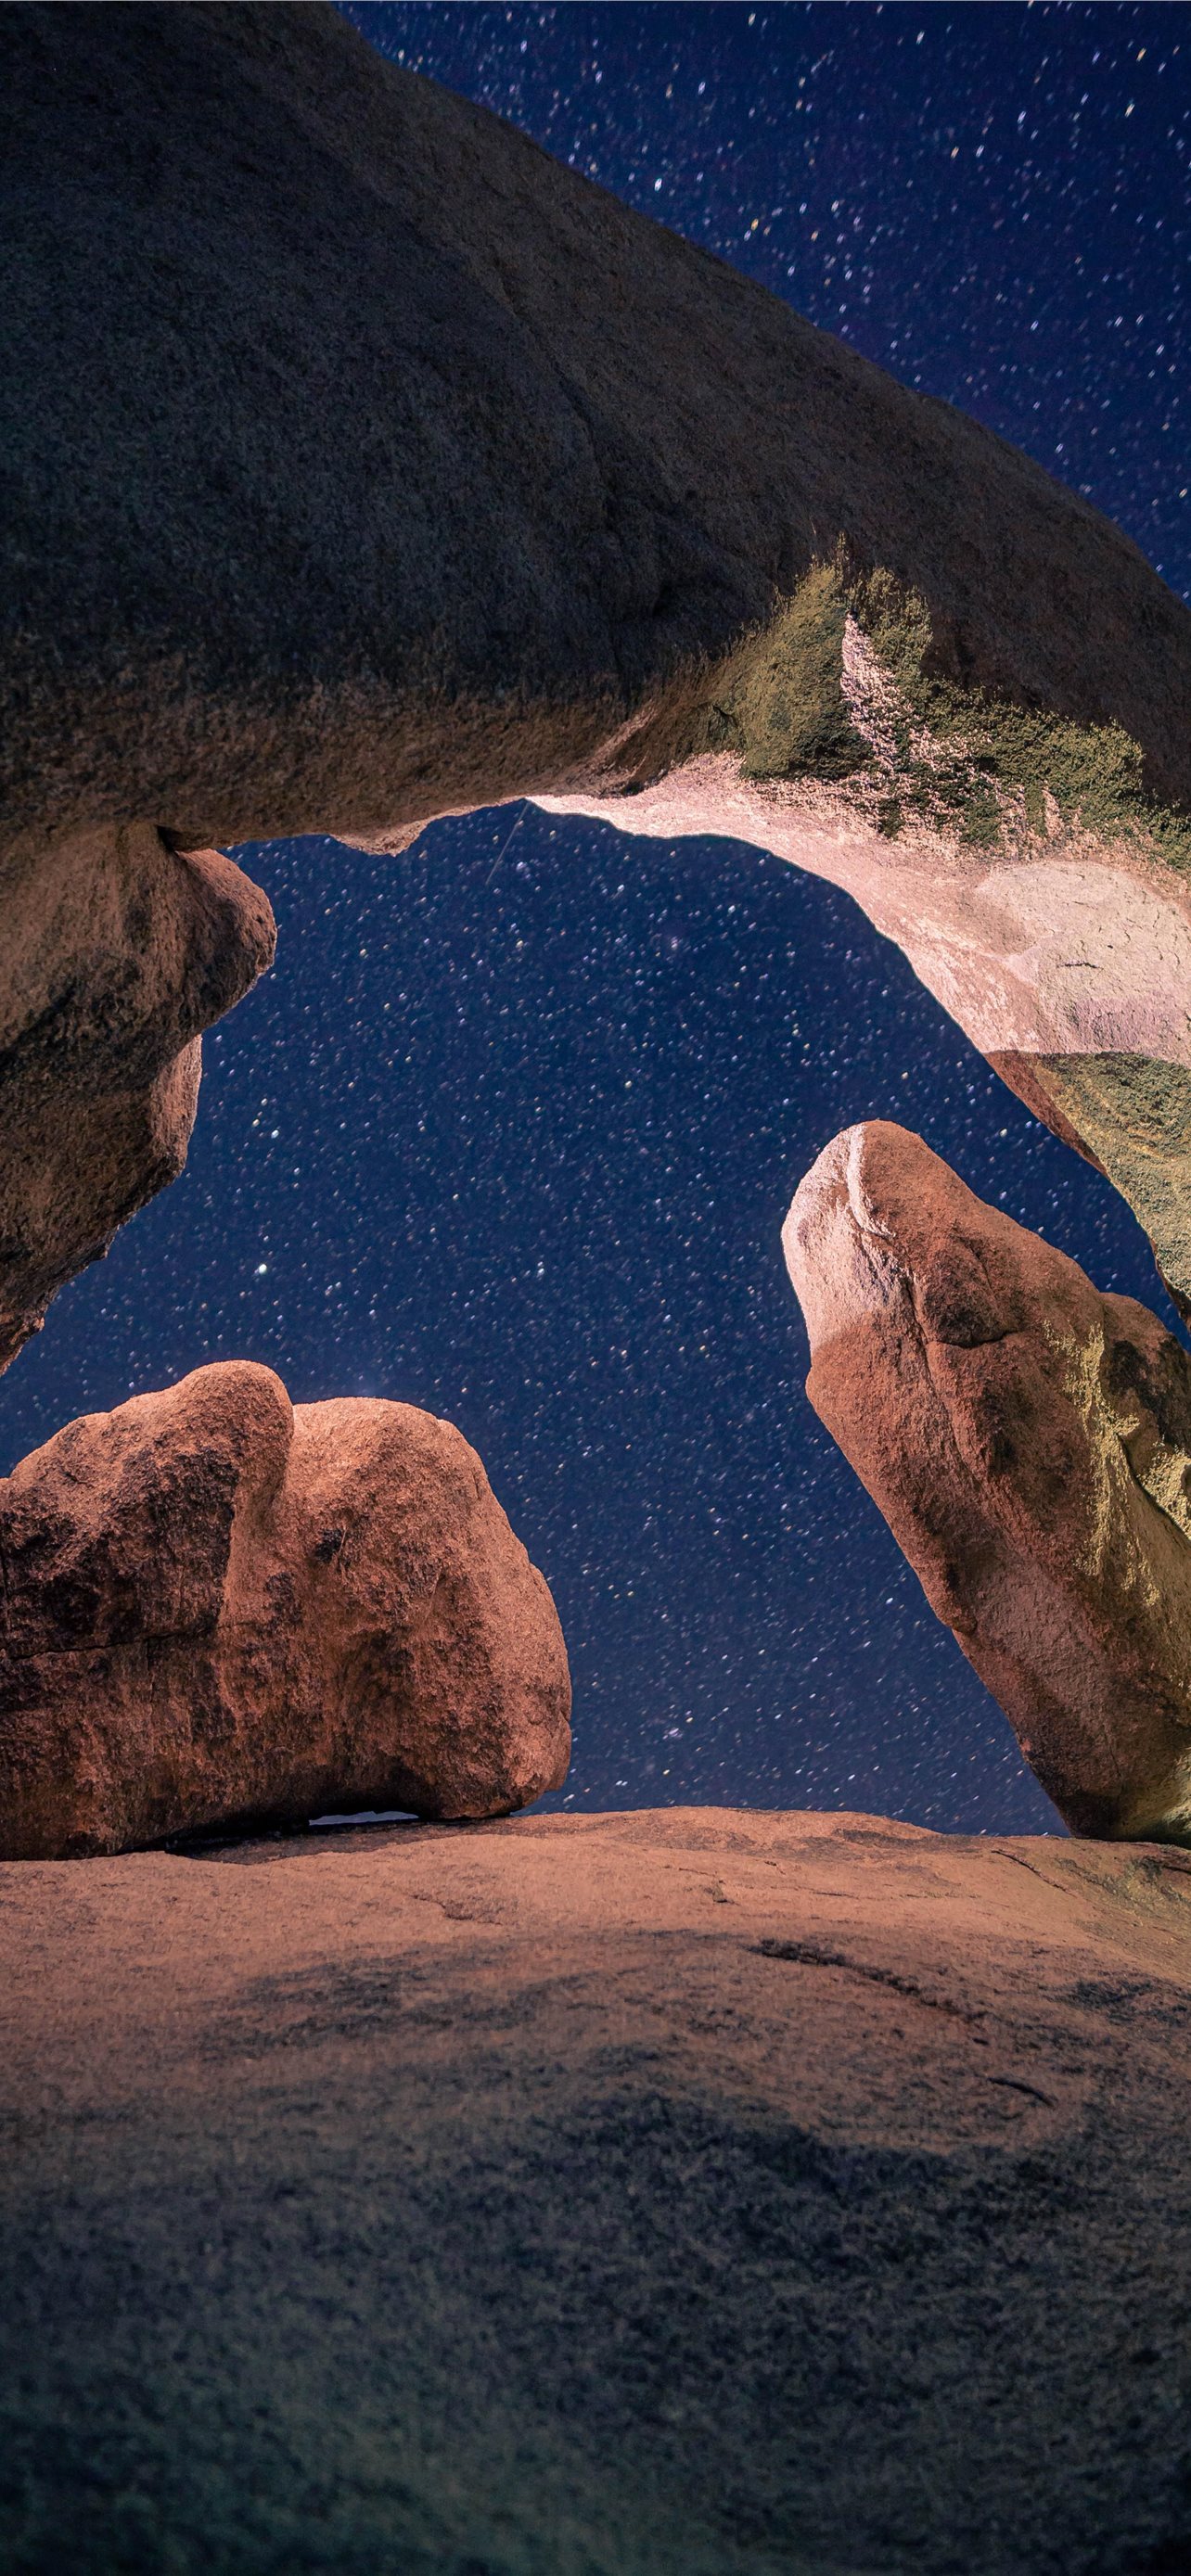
[[682, 2194], [116, 951], [362, 463], [216, 1605], [1029, 1443]]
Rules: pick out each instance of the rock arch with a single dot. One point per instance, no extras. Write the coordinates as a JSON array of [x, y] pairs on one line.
[[365, 465]]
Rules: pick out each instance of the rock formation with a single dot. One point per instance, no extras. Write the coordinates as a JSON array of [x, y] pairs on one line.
[[599, 514], [1037, 889], [681, 2194], [1029, 1443], [115, 952], [216, 1606]]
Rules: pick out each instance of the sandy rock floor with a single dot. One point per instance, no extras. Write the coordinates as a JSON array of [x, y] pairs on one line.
[[691, 2193]]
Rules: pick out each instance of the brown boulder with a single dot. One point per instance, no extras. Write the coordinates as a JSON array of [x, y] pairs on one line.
[[118, 950], [1029, 1443], [219, 1606]]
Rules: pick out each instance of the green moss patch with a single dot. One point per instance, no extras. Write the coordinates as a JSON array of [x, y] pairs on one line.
[[779, 702], [1132, 1116], [961, 760], [984, 747]]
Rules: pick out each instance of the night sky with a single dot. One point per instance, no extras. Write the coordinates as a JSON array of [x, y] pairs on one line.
[[511, 1130]]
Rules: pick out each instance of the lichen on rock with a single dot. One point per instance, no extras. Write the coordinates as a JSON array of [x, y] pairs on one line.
[[985, 760]]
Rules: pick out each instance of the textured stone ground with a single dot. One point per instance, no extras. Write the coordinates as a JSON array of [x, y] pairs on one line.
[[679, 2194]]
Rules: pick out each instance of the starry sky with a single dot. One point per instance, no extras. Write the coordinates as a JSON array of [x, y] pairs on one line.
[[511, 1130]]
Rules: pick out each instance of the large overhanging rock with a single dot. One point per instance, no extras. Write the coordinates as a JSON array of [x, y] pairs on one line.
[[362, 463], [216, 1606], [1029, 1443]]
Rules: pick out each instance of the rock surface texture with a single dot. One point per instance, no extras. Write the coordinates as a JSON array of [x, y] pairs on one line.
[[115, 952], [216, 1606], [1029, 1443], [619, 526], [685, 2194]]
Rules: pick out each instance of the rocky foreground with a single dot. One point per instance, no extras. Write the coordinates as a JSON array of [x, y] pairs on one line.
[[679, 2194]]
